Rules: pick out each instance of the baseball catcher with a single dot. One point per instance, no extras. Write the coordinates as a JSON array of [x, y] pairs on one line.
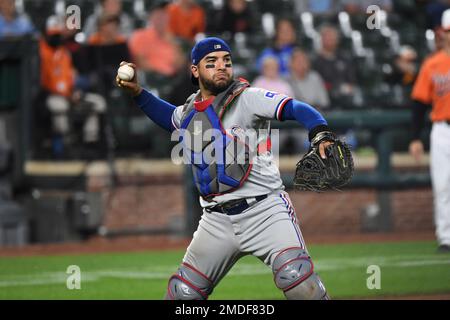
[[246, 210], [315, 173]]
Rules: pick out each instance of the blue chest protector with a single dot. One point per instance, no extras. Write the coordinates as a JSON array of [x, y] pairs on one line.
[[220, 161]]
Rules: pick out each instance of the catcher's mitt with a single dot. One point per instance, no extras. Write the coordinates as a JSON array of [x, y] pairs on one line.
[[316, 174]]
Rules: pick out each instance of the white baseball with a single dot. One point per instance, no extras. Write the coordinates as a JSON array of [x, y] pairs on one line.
[[125, 72]]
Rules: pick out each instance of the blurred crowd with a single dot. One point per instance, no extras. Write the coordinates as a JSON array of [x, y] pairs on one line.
[[321, 52]]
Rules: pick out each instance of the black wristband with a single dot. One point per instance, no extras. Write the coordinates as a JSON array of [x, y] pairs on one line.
[[314, 131], [419, 110]]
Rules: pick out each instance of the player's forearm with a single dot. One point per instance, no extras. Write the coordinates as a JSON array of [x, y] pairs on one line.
[[306, 115], [418, 118], [158, 110]]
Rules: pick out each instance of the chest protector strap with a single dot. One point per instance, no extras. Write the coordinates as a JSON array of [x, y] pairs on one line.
[[220, 161]]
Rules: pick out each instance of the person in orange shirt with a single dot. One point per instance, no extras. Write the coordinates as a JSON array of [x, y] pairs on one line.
[[108, 27], [154, 48], [433, 87], [106, 49], [186, 19], [58, 78]]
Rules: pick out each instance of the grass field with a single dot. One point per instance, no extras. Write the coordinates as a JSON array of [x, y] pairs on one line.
[[407, 268]]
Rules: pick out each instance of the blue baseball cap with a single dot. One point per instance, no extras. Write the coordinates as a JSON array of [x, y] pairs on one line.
[[207, 45]]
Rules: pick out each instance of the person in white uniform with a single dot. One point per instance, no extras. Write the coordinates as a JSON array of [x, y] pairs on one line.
[[433, 87]]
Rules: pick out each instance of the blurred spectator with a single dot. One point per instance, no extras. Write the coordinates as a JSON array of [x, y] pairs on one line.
[[58, 78], [57, 74], [154, 48], [186, 19], [110, 8], [282, 47], [336, 70], [404, 69], [107, 48], [318, 7], [270, 79], [108, 31], [80, 59], [402, 75], [307, 84], [13, 24], [338, 73], [236, 16], [360, 6]]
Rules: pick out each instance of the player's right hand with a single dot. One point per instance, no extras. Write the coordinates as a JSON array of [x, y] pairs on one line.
[[131, 86], [416, 149]]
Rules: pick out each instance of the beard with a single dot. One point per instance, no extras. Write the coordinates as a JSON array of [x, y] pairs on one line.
[[214, 88]]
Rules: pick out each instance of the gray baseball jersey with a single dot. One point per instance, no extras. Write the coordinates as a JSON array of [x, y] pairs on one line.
[[267, 227], [252, 109]]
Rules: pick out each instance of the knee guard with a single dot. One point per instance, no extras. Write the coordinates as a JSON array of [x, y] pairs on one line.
[[294, 274], [188, 284]]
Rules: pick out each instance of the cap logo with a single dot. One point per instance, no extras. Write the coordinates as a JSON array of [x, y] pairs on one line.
[[217, 46]]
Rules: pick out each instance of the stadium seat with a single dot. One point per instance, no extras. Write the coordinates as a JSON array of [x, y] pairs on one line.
[[308, 30]]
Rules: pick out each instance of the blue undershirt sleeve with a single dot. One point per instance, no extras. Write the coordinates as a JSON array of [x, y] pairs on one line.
[[158, 110], [306, 115]]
